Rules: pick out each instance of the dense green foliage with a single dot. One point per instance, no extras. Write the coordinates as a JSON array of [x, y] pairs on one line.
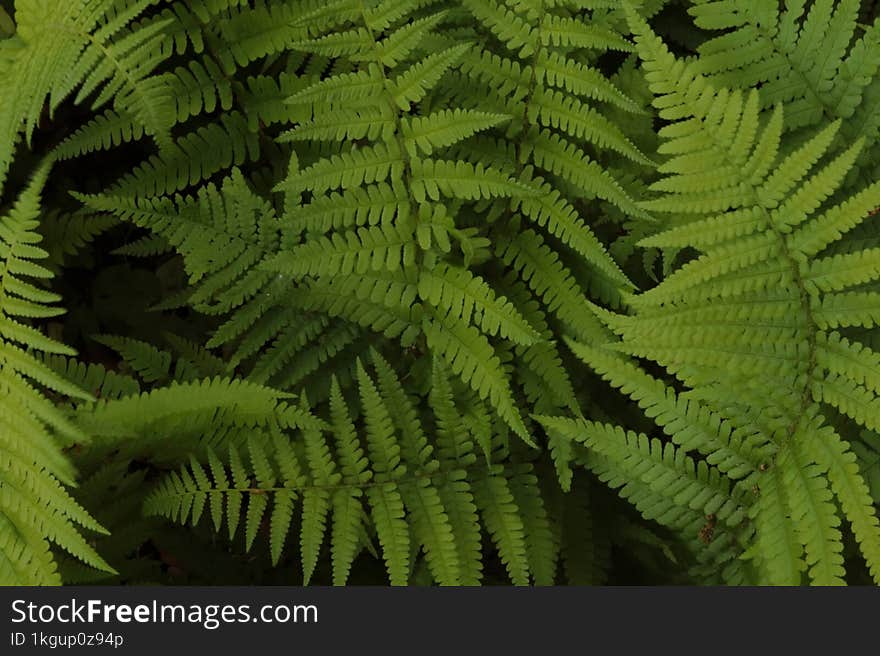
[[439, 291]]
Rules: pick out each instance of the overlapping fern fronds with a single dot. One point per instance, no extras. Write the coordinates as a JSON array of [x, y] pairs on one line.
[[353, 284], [814, 58], [754, 326], [388, 477], [59, 47]]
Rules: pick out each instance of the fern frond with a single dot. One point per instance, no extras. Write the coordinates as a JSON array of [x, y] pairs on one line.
[[191, 158], [379, 248], [470, 299], [770, 314], [59, 46], [470, 356], [431, 178], [35, 510], [414, 493]]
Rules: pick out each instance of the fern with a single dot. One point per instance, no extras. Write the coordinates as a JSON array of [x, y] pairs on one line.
[[385, 477], [372, 291], [415, 228], [59, 46], [814, 58], [35, 509], [762, 321]]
